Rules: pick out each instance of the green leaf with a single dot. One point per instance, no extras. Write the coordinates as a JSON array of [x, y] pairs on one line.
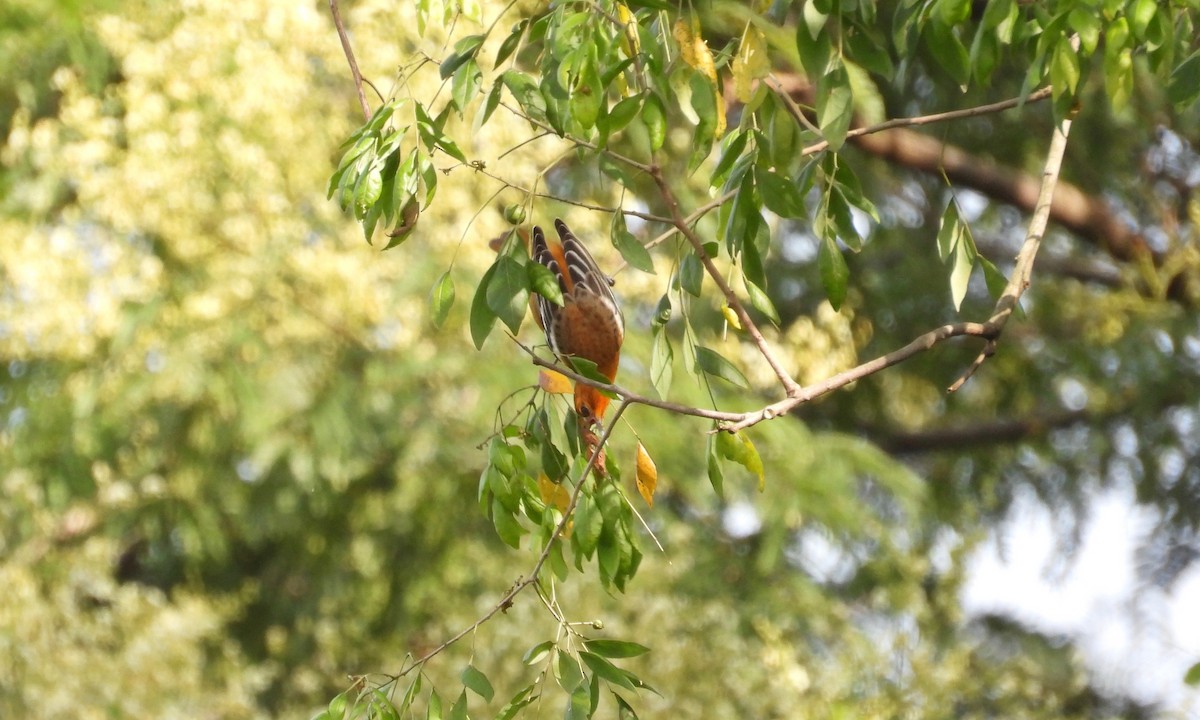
[[544, 282], [704, 103], [511, 42], [624, 709], [523, 698], [633, 251], [1087, 23], [337, 707], [870, 52], [606, 670], [1140, 13], [579, 705], [526, 92], [691, 274], [714, 364], [477, 682], [589, 522], [955, 243], [715, 475], [1192, 677], [996, 282], [952, 12], [618, 116], [812, 42], [835, 275], [947, 237], [537, 653], [459, 711], [381, 707], [507, 527], [733, 144], [779, 194], [655, 117], [661, 369], [434, 711], [570, 676], [761, 302], [1118, 64], [835, 106], [1064, 68], [409, 695], [587, 95], [1184, 86], [588, 369], [467, 82], [368, 189], [482, 316], [441, 299], [738, 448], [616, 648], [508, 292], [464, 50], [617, 171], [949, 51]]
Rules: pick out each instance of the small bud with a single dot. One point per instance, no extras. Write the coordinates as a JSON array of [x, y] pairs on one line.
[[514, 214]]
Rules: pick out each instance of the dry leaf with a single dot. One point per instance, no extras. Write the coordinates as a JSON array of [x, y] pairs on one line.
[[553, 382], [647, 475], [751, 63]]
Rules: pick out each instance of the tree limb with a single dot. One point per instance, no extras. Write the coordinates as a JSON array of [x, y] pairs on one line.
[[345, 38]]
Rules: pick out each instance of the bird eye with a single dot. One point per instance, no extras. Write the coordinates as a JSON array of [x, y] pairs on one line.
[[585, 412]]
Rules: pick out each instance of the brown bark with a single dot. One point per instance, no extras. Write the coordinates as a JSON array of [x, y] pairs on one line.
[[1087, 217]]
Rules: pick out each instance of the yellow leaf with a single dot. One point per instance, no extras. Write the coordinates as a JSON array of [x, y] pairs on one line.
[[753, 462], [694, 50], [750, 63], [553, 382], [647, 475], [731, 317], [719, 130], [629, 41], [553, 493]]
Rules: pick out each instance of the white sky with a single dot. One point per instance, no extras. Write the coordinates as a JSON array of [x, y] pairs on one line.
[[1139, 643]]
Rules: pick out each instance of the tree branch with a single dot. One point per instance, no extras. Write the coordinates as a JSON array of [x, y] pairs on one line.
[[790, 386], [1023, 270], [345, 38], [961, 437], [1087, 217]]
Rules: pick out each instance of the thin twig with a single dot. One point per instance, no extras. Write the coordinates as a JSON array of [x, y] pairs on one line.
[[790, 386], [629, 396], [690, 219], [358, 78], [649, 217], [623, 159], [995, 107]]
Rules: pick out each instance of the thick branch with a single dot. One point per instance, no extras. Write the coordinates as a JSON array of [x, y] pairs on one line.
[[961, 437], [1088, 217]]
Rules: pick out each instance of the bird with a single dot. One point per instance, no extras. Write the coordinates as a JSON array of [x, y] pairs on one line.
[[588, 324]]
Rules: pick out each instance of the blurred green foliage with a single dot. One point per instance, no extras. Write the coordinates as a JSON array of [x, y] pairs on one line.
[[240, 463]]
